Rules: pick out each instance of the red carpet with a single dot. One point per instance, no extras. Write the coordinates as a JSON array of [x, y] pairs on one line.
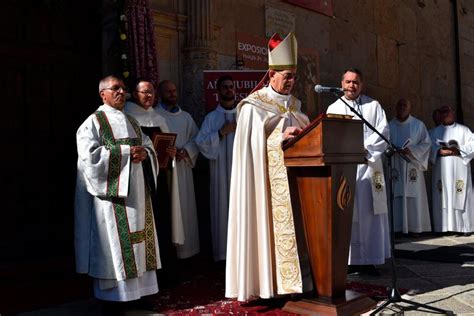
[[185, 303], [26, 287], [204, 294]]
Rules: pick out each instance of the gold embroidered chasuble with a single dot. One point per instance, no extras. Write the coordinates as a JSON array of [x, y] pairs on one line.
[[288, 272], [262, 195]]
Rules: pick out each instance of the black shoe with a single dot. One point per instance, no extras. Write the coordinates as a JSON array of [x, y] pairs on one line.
[[354, 269], [370, 270], [463, 234], [145, 303], [398, 235], [110, 308]]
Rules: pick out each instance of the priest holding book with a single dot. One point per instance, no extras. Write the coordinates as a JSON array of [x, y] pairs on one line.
[[411, 212], [165, 199], [451, 181], [181, 123], [262, 249]]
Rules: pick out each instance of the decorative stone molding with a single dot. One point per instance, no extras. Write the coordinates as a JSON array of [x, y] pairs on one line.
[[171, 21], [199, 32]]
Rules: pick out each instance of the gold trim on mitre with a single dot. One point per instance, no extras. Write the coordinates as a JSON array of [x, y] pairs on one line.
[[285, 54]]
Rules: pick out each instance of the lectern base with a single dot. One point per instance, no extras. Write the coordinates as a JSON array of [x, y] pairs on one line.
[[353, 304]]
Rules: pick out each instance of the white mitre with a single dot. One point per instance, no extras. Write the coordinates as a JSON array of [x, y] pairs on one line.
[[282, 54]]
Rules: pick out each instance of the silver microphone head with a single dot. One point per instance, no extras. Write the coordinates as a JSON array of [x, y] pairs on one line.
[[318, 88]]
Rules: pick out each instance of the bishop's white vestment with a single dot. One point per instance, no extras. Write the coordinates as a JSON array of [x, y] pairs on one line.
[[370, 243], [410, 203], [262, 252], [182, 124], [115, 234], [219, 152], [451, 181]]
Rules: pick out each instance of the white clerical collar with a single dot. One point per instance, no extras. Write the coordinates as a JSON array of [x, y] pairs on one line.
[[279, 95], [133, 107], [174, 109], [357, 100], [355, 104], [285, 98], [111, 108], [449, 126]]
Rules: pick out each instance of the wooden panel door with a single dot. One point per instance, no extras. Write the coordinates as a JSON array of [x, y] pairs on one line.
[[50, 56]]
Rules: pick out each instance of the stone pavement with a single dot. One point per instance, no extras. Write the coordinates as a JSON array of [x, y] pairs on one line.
[[444, 282], [446, 285]]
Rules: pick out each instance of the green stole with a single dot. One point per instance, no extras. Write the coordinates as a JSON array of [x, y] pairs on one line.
[[126, 237]]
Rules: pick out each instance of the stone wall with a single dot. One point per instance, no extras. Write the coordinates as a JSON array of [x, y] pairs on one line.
[[466, 52], [405, 48]]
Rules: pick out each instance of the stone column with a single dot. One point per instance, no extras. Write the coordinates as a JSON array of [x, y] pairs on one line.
[[199, 54]]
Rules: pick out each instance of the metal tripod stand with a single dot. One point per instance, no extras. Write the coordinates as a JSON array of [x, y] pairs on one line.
[[394, 296]]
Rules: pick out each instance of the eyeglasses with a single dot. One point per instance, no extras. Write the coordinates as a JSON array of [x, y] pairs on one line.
[[116, 88], [288, 75], [147, 92]]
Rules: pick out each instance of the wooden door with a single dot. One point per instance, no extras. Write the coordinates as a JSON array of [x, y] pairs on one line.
[[50, 54]]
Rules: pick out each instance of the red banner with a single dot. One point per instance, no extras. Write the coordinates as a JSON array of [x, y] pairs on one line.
[[320, 6], [244, 82]]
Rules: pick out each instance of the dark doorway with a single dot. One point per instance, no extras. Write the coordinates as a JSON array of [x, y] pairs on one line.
[[51, 56]]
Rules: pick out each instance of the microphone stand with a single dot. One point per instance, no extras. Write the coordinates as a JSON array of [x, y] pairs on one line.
[[394, 296]]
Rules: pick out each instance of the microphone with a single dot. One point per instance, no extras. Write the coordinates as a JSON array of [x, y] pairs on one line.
[[320, 89]]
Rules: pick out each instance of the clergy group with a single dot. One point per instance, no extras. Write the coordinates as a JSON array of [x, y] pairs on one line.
[[135, 205]]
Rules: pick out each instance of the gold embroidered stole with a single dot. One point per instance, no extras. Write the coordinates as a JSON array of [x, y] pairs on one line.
[[287, 265]]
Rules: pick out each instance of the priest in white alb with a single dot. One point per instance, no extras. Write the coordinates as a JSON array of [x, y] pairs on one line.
[[166, 205], [262, 249], [370, 243], [115, 235], [451, 152], [181, 123], [215, 141], [411, 212]]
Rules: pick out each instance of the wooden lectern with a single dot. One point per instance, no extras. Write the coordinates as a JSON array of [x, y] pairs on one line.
[[322, 163]]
